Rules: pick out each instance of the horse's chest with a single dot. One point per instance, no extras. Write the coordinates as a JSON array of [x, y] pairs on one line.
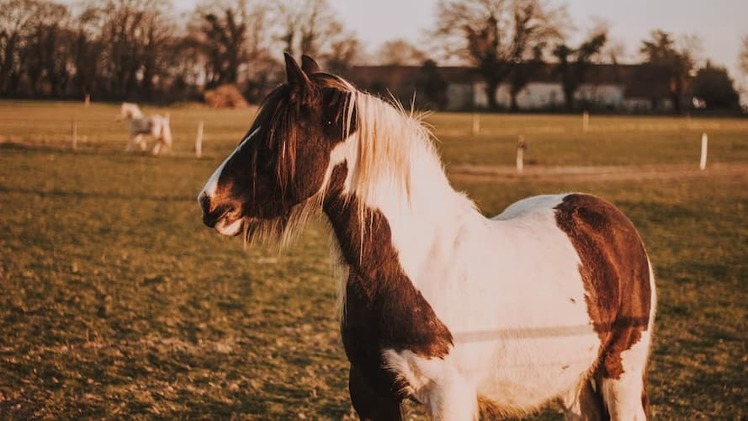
[[390, 313]]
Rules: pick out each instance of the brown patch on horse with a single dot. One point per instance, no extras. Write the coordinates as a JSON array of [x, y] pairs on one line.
[[383, 309], [615, 271]]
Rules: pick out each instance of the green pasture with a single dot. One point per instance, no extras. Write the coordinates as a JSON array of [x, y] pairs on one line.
[[117, 303]]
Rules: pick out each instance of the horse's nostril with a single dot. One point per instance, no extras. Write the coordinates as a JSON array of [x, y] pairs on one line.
[[212, 217], [204, 201], [209, 219]]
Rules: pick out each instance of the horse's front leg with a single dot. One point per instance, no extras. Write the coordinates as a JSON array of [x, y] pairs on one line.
[[436, 383], [368, 403], [132, 142], [141, 142]]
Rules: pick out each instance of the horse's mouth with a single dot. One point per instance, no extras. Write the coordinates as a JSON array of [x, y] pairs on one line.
[[229, 227]]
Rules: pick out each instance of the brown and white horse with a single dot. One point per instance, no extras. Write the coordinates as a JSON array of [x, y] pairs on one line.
[[550, 302]]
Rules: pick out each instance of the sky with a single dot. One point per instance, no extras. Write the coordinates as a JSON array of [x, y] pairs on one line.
[[718, 24]]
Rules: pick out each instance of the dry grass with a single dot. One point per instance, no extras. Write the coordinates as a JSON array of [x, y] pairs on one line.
[[117, 303]]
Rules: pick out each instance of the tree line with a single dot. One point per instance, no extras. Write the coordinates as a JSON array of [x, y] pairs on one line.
[[142, 50]]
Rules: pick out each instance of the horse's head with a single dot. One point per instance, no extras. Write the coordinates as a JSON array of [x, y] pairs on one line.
[[282, 162], [128, 111]]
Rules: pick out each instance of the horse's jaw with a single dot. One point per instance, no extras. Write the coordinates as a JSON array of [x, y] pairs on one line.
[[229, 228]]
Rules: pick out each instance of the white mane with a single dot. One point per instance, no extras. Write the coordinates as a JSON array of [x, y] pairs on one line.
[[395, 150]]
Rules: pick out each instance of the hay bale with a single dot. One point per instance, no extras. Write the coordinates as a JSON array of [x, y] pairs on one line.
[[225, 96]]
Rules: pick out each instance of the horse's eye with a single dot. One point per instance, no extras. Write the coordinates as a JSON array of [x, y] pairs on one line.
[[329, 122]]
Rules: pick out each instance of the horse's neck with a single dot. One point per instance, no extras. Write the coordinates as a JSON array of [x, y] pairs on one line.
[[429, 215], [429, 221], [134, 112]]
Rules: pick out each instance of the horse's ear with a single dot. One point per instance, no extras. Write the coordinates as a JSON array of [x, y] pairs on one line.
[[294, 75], [309, 65]]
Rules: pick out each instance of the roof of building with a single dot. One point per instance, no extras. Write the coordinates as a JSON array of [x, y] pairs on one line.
[[639, 80]]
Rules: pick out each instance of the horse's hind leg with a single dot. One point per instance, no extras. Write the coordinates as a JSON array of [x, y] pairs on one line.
[[131, 143], [624, 394], [157, 148], [369, 404]]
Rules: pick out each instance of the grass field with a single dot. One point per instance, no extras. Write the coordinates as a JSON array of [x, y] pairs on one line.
[[116, 303]]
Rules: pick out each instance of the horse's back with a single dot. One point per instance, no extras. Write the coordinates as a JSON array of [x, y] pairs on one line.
[[614, 264], [529, 205]]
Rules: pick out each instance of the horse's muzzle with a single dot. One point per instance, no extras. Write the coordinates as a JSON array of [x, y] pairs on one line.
[[225, 219]]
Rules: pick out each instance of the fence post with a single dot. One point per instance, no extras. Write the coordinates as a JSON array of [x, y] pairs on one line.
[[585, 121], [476, 123], [74, 133], [704, 146], [199, 140], [521, 146]]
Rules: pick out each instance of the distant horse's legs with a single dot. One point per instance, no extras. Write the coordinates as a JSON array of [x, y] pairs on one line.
[[131, 144], [135, 139], [370, 405], [141, 142]]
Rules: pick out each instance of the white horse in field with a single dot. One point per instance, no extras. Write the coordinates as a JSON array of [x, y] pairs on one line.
[[139, 125]]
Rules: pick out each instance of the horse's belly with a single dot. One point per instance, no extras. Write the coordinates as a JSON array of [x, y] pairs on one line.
[[522, 373]]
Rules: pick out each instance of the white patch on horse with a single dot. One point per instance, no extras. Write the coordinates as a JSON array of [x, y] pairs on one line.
[[231, 229], [211, 186]]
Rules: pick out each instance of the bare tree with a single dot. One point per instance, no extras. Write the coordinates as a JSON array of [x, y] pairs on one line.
[[342, 54], [87, 51], [310, 27], [17, 18], [522, 74], [679, 62], [47, 58], [219, 33], [496, 35], [128, 42], [224, 36], [613, 52], [400, 52], [574, 63]]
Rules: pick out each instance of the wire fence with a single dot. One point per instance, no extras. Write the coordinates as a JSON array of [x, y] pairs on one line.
[[91, 133], [102, 135]]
